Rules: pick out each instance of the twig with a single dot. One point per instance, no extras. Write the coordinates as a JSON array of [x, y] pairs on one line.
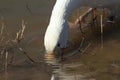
[[20, 33], [17, 36], [23, 29]]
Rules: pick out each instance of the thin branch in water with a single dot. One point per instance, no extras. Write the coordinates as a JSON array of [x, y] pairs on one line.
[[26, 55]]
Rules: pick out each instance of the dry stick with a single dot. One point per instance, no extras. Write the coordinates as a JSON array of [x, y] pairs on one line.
[[6, 60], [20, 33], [101, 31], [17, 36], [23, 29]]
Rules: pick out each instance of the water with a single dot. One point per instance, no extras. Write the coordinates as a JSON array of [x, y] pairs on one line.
[[100, 62], [95, 64]]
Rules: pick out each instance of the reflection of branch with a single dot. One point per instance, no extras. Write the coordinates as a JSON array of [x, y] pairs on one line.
[[25, 53], [85, 49], [29, 10], [2, 28]]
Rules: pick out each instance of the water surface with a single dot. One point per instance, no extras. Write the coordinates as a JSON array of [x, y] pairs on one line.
[[99, 62]]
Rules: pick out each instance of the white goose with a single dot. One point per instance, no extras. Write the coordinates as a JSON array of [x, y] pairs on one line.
[[57, 31]]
